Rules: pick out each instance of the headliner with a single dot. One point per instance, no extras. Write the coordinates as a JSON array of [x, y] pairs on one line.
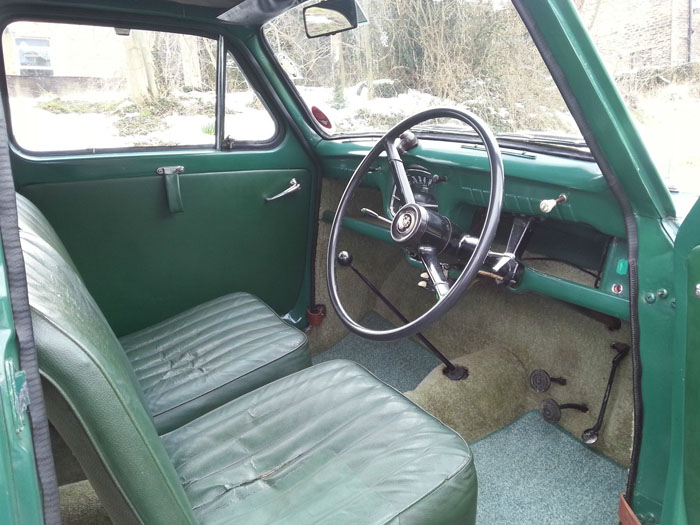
[[245, 12]]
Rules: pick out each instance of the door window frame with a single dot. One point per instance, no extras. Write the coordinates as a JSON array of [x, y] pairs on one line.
[[225, 44]]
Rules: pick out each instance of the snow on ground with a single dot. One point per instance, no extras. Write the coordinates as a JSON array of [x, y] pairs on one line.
[[360, 113], [36, 129], [246, 118], [183, 130], [40, 130]]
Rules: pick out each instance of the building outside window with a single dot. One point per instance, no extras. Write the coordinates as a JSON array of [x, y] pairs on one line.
[[34, 56]]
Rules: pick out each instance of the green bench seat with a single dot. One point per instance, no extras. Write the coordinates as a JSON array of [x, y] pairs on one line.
[[326, 444]]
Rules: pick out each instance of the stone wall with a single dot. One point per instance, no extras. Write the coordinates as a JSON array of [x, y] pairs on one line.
[[25, 86], [641, 34], [695, 18]]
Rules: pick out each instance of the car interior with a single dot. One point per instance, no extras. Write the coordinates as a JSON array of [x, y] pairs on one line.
[[317, 329]]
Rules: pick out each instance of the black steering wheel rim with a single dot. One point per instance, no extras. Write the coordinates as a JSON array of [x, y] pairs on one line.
[[481, 249]]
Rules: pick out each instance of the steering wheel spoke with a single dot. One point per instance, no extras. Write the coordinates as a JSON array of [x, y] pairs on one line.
[[434, 269], [398, 171]]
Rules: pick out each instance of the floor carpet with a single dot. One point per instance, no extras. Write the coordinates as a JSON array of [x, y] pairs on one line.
[[531, 472], [80, 505], [402, 364]]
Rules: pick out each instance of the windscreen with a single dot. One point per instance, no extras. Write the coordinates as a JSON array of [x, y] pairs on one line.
[[414, 55]]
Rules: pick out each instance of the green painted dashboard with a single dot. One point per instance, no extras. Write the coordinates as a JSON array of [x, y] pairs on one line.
[[530, 178], [587, 230]]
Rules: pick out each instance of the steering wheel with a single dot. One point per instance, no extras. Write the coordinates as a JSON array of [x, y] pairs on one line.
[[423, 231]]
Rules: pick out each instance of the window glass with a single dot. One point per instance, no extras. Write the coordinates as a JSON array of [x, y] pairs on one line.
[[75, 87], [413, 55], [652, 50], [246, 118]]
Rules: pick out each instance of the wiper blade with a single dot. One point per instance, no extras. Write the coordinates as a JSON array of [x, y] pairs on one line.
[[447, 129], [570, 147], [551, 140], [532, 138]]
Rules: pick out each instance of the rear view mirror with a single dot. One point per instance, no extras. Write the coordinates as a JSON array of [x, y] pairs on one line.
[[332, 16]]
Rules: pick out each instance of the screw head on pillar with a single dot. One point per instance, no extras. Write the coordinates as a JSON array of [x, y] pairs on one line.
[[344, 258]]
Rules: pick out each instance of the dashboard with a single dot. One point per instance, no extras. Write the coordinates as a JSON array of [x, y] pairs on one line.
[[557, 213]]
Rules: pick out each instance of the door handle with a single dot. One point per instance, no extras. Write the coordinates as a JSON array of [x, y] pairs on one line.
[[293, 186]]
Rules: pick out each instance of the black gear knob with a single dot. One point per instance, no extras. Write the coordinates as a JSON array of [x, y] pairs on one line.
[[344, 258]]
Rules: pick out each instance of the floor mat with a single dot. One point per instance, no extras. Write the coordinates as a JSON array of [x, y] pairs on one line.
[[534, 472], [402, 364]]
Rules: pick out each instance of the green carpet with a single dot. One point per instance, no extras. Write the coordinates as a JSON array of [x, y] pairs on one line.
[[402, 364], [534, 472]]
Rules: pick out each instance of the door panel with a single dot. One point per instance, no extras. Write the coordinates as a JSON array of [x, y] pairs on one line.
[[685, 472], [680, 502], [691, 471], [143, 264]]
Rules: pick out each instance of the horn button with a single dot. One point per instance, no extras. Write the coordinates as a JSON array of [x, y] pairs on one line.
[[413, 225], [404, 222]]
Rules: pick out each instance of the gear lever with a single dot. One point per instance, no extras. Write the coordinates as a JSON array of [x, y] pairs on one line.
[[455, 373]]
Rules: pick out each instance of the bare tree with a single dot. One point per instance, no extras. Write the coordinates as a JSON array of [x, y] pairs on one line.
[[140, 72], [191, 68]]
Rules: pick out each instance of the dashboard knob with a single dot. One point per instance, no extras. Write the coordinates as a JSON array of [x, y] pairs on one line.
[[344, 258], [407, 141], [548, 205]]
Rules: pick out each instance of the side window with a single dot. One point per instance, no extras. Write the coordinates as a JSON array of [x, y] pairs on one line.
[[89, 88], [246, 119]]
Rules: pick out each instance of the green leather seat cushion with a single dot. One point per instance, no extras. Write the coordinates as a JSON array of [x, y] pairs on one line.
[[329, 444], [210, 354]]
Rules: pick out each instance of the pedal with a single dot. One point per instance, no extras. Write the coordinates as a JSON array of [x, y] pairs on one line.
[[550, 410], [540, 380]]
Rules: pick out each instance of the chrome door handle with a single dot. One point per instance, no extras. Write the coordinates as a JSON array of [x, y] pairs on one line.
[[293, 186]]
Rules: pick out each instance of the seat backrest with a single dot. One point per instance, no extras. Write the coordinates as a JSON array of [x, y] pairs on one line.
[[97, 402], [31, 220]]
